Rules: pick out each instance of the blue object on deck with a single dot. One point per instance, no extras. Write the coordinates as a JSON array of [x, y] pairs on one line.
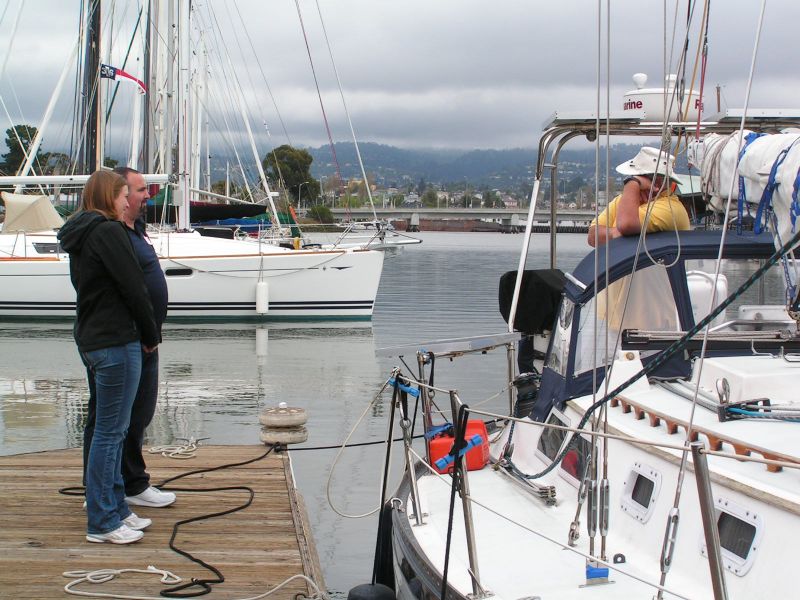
[[434, 431], [394, 383], [443, 462], [596, 572]]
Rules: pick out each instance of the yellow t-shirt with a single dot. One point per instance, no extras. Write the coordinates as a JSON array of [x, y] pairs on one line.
[[667, 214]]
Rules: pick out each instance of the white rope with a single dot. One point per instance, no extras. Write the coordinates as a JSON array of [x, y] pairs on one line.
[[104, 575], [178, 451], [167, 578], [370, 404]]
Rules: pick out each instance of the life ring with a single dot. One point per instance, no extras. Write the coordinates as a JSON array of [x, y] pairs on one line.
[[284, 436], [283, 416]]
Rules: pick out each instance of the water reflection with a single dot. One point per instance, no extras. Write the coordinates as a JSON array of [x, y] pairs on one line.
[[213, 380]]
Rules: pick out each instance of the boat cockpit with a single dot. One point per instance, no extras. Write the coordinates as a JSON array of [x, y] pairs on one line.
[[646, 297]]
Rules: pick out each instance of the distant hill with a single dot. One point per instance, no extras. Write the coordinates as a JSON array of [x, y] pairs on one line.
[[504, 169]]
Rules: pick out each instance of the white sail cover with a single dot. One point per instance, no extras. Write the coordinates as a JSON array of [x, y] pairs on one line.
[[715, 156], [26, 213]]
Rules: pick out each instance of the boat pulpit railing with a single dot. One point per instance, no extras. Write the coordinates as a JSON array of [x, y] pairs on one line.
[[422, 387], [428, 353], [459, 476]]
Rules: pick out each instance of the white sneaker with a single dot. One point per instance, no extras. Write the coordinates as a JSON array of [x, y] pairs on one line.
[[151, 497], [135, 522], [121, 535]]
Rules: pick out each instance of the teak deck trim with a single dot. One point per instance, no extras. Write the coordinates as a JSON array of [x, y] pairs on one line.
[[42, 532]]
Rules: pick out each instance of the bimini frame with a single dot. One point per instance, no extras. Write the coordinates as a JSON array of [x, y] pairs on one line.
[[561, 127]]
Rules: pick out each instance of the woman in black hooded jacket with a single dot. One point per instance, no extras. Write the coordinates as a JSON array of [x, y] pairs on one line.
[[114, 322]]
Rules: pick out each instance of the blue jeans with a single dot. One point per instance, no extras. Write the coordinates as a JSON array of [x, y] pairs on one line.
[[134, 469], [116, 373]]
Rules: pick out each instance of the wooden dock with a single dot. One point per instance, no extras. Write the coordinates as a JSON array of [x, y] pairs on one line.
[[42, 532]]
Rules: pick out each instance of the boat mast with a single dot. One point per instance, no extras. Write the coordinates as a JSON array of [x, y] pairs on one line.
[[146, 163], [182, 114], [91, 115], [198, 117]]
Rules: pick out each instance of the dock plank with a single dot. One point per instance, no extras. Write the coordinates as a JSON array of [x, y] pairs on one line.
[[42, 531]]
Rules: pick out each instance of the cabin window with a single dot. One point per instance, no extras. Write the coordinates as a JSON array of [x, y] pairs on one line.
[[650, 307], [641, 491], [735, 536], [178, 272], [740, 531], [46, 247], [551, 439]]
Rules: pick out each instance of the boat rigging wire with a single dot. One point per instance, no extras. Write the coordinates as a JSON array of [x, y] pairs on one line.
[[261, 70], [347, 113], [319, 95], [706, 322], [456, 486]]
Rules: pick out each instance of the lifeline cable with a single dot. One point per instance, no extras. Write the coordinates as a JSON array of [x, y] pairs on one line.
[[665, 355]]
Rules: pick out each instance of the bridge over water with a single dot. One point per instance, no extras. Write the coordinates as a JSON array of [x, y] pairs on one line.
[[503, 214]]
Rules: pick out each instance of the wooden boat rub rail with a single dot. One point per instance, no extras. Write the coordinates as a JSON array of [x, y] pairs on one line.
[[761, 495], [715, 440]]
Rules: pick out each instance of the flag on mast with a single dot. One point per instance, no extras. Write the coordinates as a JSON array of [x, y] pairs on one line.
[[109, 72]]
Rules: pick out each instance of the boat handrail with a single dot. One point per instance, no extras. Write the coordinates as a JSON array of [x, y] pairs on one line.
[[447, 348]]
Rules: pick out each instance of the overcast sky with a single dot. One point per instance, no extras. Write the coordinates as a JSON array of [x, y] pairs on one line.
[[426, 73]]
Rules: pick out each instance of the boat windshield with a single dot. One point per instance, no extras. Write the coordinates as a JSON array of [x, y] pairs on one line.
[[650, 306]]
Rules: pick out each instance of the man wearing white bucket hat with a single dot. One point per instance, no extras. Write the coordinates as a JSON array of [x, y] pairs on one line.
[[647, 188]]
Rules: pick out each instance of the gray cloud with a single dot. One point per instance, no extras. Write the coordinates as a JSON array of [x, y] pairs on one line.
[[448, 73]]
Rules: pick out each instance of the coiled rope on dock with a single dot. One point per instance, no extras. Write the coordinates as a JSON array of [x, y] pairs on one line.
[[100, 576]]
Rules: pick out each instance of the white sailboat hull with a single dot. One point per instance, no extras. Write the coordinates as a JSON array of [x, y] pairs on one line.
[[208, 278]]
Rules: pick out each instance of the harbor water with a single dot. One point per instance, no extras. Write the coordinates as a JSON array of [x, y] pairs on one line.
[[215, 379]]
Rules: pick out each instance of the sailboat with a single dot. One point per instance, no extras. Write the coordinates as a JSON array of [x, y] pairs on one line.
[[651, 451], [208, 278]]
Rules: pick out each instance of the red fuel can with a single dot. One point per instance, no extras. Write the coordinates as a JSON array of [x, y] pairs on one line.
[[477, 457]]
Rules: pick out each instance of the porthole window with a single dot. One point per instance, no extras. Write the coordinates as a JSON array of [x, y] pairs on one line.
[[641, 491], [740, 532], [551, 439]]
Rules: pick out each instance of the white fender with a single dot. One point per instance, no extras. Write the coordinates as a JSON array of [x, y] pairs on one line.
[[262, 298]]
